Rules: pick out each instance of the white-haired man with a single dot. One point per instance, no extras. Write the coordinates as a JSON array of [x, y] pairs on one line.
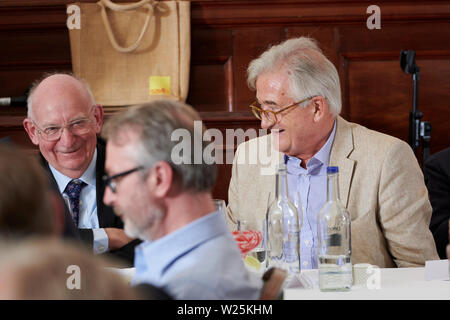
[[298, 98], [64, 120], [187, 249]]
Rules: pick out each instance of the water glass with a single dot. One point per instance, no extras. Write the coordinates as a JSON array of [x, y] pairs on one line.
[[220, 206]]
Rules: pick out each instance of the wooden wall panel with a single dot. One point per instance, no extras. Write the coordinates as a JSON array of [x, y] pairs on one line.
[[209, 86], [368, 88], [375, 80], [18, 136], [226, 35], [248, 44], [326, 35], [48, 47], [211, 77]]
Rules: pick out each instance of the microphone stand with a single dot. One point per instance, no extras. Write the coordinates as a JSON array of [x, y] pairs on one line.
[[418, 129], [415, 116]]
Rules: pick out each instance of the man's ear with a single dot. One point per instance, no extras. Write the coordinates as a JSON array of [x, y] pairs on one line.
[[98, 114], [31, 130], [320, 106], [160, 179]]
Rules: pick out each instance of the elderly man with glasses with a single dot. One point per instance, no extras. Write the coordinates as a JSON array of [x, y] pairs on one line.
[[298, 99], [63, 120]]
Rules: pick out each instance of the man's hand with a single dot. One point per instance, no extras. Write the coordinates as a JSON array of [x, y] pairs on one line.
[[116, 238]]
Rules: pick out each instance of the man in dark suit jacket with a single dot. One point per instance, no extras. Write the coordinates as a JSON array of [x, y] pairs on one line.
[[437, 179], [106, 216], [64, 121]]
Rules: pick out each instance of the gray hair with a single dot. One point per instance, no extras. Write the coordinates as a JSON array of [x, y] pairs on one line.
[[155, 122], [37, 82], [310, 72]]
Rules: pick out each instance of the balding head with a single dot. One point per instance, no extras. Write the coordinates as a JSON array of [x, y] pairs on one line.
[[56, 84]]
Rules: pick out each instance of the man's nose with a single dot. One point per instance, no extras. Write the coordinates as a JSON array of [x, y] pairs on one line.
[[108, 196], [266, 123], [67, 138]]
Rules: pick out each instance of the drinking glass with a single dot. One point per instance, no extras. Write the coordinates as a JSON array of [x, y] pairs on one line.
[[250, 237], [220, 206]]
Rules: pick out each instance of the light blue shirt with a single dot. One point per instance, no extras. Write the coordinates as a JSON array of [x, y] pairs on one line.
[[88, 218], [199, 261], [310, 186]]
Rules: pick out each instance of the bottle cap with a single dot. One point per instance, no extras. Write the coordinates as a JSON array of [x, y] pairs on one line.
[[332, 169]]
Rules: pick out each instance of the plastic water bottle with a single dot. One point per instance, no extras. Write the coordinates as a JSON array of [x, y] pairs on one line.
[[283, 224], [334, 243]]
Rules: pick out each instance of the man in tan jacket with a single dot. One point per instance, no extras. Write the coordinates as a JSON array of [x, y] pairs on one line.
[[380, 181]]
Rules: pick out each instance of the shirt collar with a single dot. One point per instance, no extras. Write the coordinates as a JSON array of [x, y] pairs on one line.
[[322, 157], [166, 250], [87, 177]]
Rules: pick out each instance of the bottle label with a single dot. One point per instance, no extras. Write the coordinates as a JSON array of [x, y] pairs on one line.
[[334, 240], [291, 248]]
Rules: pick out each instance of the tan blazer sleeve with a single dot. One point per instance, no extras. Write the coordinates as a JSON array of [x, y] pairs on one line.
[[405, 210]]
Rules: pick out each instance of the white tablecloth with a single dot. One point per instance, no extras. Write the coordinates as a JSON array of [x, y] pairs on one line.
[[396, 284]]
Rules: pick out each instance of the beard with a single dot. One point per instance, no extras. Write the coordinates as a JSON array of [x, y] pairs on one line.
[[147, 228], [131, 230]]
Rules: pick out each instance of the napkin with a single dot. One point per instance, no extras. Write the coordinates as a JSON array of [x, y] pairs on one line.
[[437, 270]]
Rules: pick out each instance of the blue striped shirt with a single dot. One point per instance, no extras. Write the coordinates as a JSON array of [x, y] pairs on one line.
[[309, 187]]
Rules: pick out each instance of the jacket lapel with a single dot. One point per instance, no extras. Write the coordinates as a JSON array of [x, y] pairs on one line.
[[340, 151], [267, 175], [105, 217]]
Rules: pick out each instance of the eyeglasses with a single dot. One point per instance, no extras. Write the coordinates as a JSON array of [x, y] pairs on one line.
[[269, 114], [76, 127], [109, 180]]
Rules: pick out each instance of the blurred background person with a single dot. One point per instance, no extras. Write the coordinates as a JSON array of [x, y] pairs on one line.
[[27, 205], [187, 249], [48, 269], [437, 179]]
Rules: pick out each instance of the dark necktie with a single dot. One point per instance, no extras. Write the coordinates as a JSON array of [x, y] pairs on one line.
[[73, 191]]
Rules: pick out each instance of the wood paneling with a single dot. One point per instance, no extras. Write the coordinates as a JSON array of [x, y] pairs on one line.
[[227, 35], [211, 74], [209, 86], [248, 45]]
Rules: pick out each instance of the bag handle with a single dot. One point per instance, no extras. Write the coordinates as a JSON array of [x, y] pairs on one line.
[[124, 7], [112, 38]]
